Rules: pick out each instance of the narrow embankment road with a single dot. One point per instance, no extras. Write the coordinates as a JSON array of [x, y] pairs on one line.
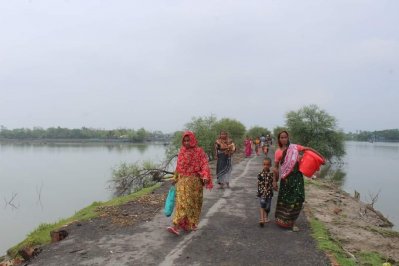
[[228, 234]]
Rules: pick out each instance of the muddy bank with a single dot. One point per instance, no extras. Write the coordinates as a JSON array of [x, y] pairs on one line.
[[355, 225]]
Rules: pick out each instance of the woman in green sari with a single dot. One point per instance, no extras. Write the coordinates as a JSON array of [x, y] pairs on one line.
[[291, 194]]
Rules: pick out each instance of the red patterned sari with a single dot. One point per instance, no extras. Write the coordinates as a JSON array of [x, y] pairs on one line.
[[192, 172]]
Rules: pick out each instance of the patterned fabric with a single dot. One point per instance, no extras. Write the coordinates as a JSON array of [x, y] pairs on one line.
[[188, 202], [223, 168], [290, 199], [224, 150], [227, 146], [193, 161], [290, 161], [191, 170], [265, 184], [248, 147]]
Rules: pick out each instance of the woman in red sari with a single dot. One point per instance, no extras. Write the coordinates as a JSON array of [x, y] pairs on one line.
[[248, 147], [192, 173]]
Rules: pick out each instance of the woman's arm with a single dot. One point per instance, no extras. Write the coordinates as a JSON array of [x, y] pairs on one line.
[[232, 148], [275, 171], [313, 150]]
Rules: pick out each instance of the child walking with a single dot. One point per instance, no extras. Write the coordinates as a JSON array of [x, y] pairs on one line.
[[266, 184]]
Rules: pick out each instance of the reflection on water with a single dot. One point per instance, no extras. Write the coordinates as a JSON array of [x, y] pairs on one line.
[[52, 181]]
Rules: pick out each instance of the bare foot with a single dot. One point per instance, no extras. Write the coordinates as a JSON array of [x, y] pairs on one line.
[[173, 230]]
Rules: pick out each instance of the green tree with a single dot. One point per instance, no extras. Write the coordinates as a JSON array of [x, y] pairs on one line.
[[234, 128], [313, 127], [175, 143], [205, 131], [142, 135]]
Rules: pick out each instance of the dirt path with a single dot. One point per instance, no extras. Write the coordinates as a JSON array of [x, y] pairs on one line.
[[228, 235]]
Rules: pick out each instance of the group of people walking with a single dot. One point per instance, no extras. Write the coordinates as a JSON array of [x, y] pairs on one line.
[[193, 174], [261, 143]]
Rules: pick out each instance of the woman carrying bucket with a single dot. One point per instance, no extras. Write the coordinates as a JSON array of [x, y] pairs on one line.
[[291, 194]]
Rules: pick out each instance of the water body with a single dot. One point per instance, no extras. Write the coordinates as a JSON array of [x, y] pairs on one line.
[[54, 181], [70, 177], [370, 169]]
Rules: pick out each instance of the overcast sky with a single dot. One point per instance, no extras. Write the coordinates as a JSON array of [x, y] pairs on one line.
[[156, 64]]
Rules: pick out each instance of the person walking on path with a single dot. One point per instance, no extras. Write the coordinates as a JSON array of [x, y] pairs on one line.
[[224, 148], [269, 140], [248, 147], [192, 173], [263, 145], [266, 184], [257, 145], [292, 191], [262, 140]]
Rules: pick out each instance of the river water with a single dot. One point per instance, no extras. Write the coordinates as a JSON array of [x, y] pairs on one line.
[[370, 169], [54, 181]]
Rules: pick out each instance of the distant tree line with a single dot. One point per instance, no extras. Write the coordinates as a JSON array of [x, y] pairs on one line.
[[390, 135], [130, 135]]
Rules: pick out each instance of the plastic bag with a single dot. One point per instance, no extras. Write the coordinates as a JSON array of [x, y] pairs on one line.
[[170, 201]]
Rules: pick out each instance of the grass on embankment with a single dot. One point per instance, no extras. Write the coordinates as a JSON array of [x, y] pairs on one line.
[[332, 247], [41, 235]]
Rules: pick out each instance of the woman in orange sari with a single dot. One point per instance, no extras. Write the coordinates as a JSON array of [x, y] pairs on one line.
[[192, 173]]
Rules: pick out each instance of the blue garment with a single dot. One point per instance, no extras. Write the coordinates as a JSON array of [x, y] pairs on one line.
[[266, 203], [170, 201]]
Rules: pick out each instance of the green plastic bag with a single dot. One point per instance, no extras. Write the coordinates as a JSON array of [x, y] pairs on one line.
[[170, 201]]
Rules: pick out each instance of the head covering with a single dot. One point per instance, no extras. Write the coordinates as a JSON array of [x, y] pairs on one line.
[[193, 161], [193, 139]]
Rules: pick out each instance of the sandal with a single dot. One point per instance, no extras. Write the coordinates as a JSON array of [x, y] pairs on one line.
[[173, 230]]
